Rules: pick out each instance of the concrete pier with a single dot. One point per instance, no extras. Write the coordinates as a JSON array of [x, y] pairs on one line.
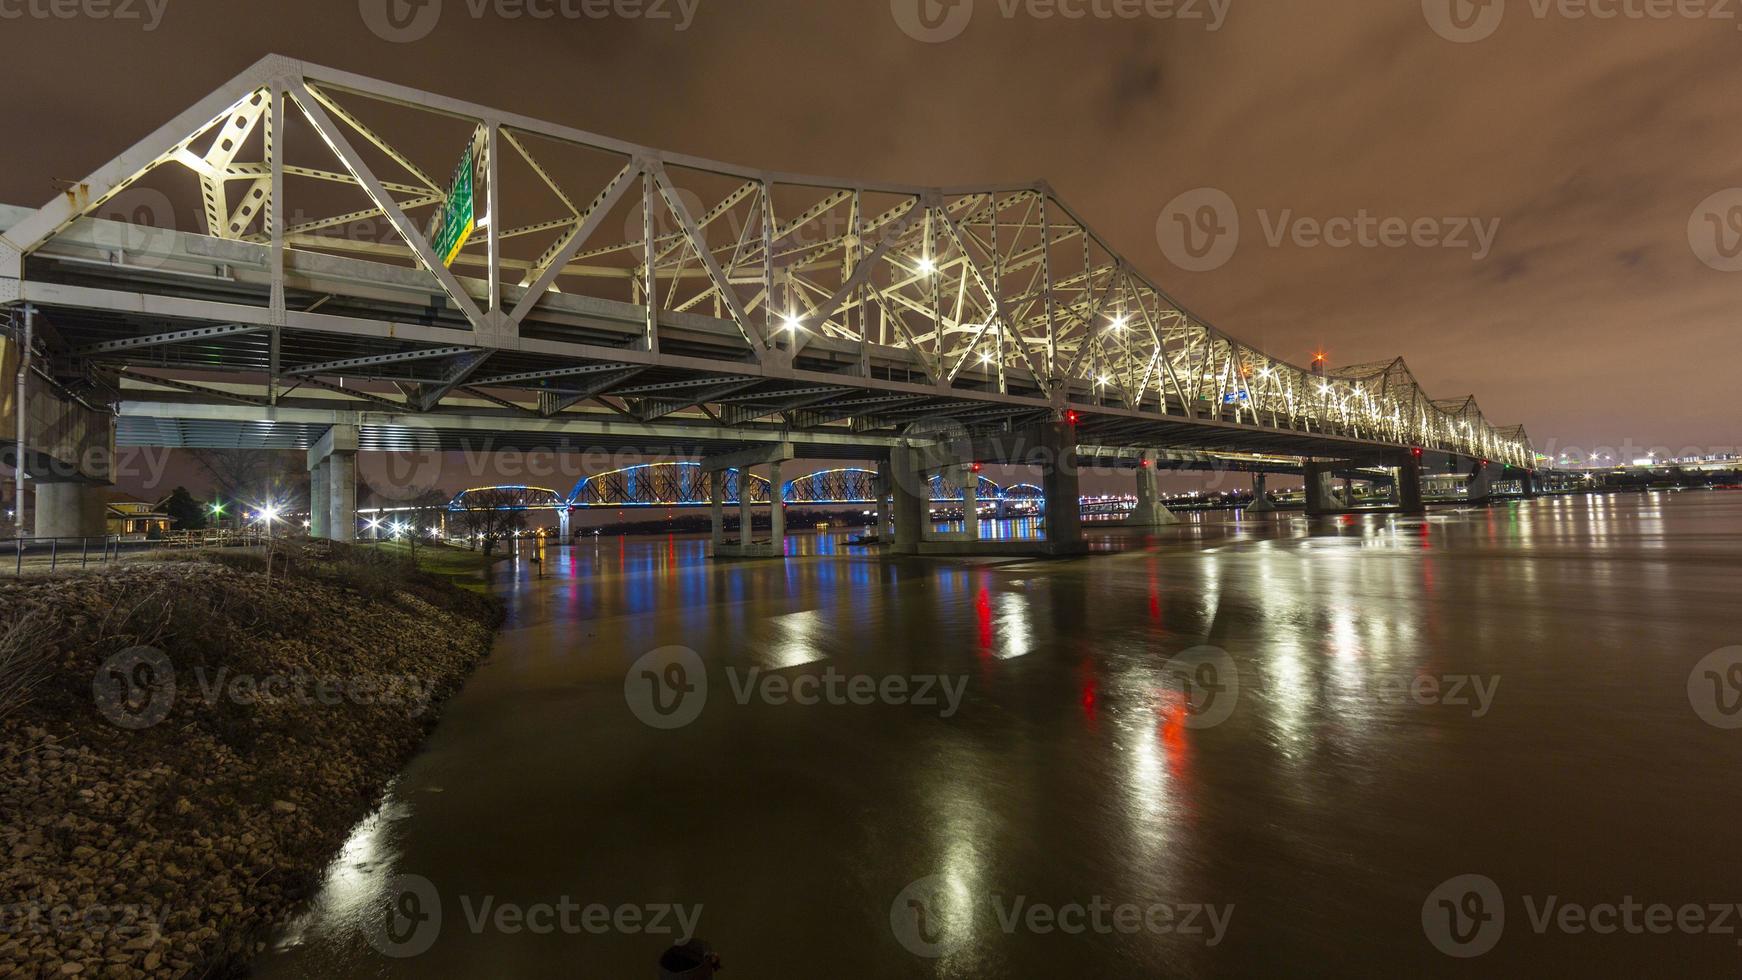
[[1319, 499], [1481, 485], [1261, 502], [747, 545], [71, 510], [332, 468], [1049, 446], [1408, 485], [1150, 512]]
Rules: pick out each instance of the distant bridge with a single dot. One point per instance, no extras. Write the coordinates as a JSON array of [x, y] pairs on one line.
[[670, 485]]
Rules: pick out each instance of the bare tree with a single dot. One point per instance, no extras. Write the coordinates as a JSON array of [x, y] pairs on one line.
[[255, 477], [490, 517], [423, 511]]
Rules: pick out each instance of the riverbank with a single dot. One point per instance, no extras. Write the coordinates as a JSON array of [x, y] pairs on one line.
[[199, 739]]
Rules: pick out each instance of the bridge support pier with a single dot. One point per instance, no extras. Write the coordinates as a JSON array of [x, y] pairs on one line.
[[1050, 446], [1528, 483], [342, 496], [971, 503], [748, 546], [1150, 512], [885, 486], [1481, 484], [745, 518], [562, 523], [776, 509], [1319, 499], [717, 509], [332, 466], [910, 494], [1261, 503], [1062, 486], [1348, 493], [71, 510], [1406, 489], [319, 482]]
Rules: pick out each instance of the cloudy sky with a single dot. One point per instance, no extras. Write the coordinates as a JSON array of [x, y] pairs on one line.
[[1554, 169]]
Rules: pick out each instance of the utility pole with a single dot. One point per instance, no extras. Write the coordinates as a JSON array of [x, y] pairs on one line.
[[22, 408]]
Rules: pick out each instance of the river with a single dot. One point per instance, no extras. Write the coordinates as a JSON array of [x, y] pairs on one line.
[[1372, 746]]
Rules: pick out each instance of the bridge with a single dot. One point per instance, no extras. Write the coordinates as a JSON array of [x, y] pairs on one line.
[[286, 265]]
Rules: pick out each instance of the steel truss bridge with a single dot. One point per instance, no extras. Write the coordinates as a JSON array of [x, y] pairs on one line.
[[265, 266], [658, 485]]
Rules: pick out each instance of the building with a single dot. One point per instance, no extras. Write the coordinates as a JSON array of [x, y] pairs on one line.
[[131, 518]]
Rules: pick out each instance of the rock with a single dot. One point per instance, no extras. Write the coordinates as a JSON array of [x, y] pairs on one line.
[[97, 818]]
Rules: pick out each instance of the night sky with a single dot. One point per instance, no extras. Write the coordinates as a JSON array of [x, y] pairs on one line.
[[1595, 317]]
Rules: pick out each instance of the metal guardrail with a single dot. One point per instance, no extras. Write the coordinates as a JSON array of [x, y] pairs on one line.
[[108, 548]]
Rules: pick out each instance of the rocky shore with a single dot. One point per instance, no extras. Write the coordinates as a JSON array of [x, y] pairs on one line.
[[195, 741]]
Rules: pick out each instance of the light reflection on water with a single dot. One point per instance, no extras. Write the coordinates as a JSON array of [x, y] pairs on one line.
[[1322, 809]]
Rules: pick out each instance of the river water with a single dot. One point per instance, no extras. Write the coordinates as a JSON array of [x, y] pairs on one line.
[[1232, 747]]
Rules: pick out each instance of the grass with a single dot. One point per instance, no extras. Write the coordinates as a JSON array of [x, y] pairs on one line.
[[24, 660], [457, 566]]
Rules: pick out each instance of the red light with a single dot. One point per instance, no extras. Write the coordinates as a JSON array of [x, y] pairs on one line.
[[976, 467], [1071, 417], [1144, 464], [1416, 453]]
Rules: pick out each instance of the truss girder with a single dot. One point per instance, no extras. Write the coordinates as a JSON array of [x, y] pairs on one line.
[[997, 289]]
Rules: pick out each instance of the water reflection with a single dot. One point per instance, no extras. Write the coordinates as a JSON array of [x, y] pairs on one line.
[[1323, 808]]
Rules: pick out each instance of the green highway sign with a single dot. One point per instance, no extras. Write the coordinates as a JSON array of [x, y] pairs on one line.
[[457, 218]]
